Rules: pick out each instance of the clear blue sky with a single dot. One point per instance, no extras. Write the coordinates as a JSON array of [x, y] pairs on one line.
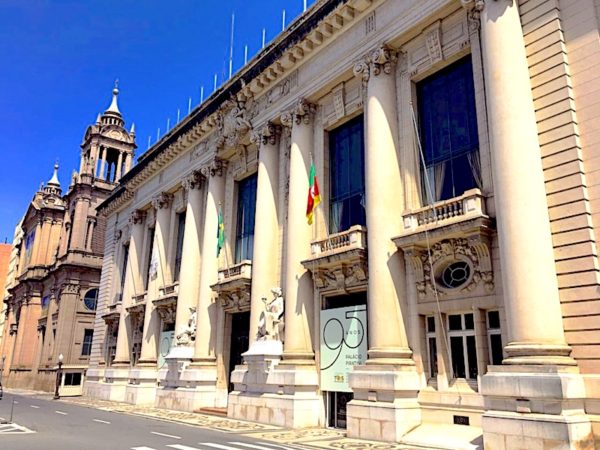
[[59, 59]]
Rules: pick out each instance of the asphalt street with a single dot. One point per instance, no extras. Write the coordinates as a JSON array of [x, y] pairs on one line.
[[55, 425]]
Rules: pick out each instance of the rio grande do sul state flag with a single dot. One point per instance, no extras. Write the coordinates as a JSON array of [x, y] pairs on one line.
[[314, 197]]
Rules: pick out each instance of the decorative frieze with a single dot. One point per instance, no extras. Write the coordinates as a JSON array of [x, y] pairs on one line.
[[433, 40]]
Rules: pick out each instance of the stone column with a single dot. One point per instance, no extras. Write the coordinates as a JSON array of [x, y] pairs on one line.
[[119, 166], [385, 405], [298, 344], [127, 162], [131, 286], [206, 314], [102, 163], [384, 193], [536, 397], [189, 281], [266, 224], [162, 204]]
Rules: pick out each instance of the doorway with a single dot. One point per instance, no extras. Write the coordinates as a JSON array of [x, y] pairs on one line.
[[337, 405], [240, 332]]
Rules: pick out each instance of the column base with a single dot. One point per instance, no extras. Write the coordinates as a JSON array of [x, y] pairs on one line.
[[275, 393], [141, 388], [535, 406], [107, 384], [385, 405], [189, 386]]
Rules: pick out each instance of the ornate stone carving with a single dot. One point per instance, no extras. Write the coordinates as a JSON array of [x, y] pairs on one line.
[[302, 112], [267, 134], [216, 168], [379, 60], [70, 288], [477, 5], [198, 151], [187, 336], [137, 217], [193, 181], [341, 277], [232, 123], [271, 323], [162, 200], [475, 251], [167, 312], [433, 40], [235, 300]]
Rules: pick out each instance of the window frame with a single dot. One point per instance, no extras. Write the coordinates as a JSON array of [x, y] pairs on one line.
[[493, 331], [244, 241], [463, 333], [431, 337], [180, 236], [85, 297], [86, 345]]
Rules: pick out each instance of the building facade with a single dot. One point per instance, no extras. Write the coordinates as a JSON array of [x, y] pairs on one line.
[[6, 274], [54, 291], [450, 273]]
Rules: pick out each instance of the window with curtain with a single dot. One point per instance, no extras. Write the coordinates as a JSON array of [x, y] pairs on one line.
[[347, 176], [448, 132], [179, 247], [244, 234]]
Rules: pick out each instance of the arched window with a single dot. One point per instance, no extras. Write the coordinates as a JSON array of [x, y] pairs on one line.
[[91, 299]]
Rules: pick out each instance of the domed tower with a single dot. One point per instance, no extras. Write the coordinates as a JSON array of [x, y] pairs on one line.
[[107, 147]]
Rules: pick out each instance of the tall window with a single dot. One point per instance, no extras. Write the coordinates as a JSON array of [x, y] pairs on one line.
[[150, 256], [244, 234], [179, 247], [86, 347], [432, 346], [347, 176], [461, 333], [448, 132], [124, 266]]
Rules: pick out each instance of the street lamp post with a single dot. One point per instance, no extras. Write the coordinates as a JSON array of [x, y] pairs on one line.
[[58, 376]]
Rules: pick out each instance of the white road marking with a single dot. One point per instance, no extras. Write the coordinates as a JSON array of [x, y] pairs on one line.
[[219, 446], [142, 448], [260, 447], [15, 402], [61, 413], [165, 435], [35, 406], [101, 421], [184, 447]]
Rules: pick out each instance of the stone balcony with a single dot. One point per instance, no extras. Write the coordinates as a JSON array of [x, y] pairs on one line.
[[113, 313], [339, 262], [138, 303], [166, 303], [233, 287]]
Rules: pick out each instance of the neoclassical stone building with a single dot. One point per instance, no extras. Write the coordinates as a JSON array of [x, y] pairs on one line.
[[451, 274], [54, 288]]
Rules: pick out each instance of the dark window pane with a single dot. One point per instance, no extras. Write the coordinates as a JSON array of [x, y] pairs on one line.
[[431, 324], [448, 130], [124, 266], [458, 357], [496, 349], [244, 240], [472, 357], [433, 362], [454, 322], [469, 322], [493, 319], [347, 180], [149, 261], [179, 248]]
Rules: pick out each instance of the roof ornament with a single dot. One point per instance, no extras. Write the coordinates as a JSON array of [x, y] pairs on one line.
[[114, 107], [54, 180]]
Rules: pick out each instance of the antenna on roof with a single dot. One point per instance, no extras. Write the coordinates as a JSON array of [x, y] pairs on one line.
[[168, 123], [189, 105], [231, 45], [149, 139], [201, 94], [215, 83], [245, 54], [283, 21], [178, 114], [264, 37], [157, 134], [304, 6]]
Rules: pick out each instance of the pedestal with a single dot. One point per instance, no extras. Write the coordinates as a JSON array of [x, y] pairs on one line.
[[141, 389], [106, 384], [535, 407], [269, 393], [385, 405]]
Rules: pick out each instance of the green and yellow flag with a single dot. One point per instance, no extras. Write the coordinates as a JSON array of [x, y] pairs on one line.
[[220, 234]]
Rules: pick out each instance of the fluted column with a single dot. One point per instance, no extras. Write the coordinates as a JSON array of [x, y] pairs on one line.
[[206, 313], [189, 281], [127, 162], [526, 252], [383, 191], [131, 286], [162, 204], [102, 163], [298, 345], [266, 224], [119, 166]]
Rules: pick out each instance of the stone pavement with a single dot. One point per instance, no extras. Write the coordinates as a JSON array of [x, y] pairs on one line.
[[313, 438]]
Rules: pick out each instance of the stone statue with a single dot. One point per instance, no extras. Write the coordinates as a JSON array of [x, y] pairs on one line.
[[270, 325], [189, 334]]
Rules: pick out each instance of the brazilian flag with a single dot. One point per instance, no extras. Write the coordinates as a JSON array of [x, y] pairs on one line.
[[220, 234]]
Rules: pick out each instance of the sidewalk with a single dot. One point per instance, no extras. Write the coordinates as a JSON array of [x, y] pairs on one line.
[[440, 436]]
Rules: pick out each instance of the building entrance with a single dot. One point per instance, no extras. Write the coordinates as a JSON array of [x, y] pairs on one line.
[[240, 331]]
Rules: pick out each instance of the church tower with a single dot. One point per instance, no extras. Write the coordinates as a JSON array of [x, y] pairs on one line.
[[107, 147]]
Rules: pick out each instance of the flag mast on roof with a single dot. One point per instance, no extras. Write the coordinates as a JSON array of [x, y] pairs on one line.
[[231, 45]]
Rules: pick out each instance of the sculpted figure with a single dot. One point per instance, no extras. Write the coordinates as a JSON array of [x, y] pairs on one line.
[[189, 334], [270, 325]]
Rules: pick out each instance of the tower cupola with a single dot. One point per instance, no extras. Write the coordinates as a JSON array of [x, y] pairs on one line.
[[112, 116]]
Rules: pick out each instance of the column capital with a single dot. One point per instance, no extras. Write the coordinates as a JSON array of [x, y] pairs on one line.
[[137, 217], [193, 181], [301, 112], [162, 200], [379, 60], [267, 134], [216, 168], [477, 5]]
